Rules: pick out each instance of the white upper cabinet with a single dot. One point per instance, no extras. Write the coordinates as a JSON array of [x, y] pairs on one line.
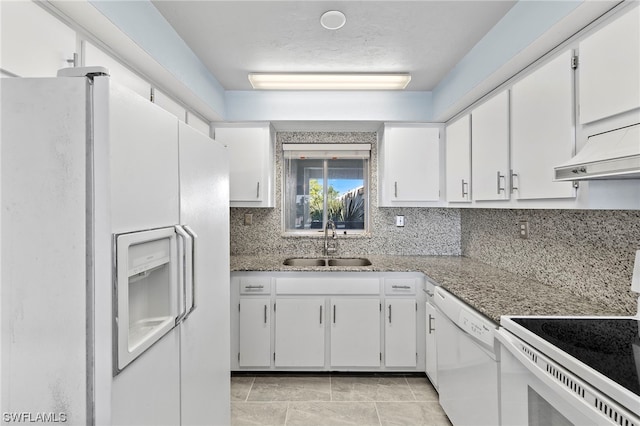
[[608, 70], [251, 163], [542, 130], [490, 149], [459, 160], [34, 43], [409, 172]]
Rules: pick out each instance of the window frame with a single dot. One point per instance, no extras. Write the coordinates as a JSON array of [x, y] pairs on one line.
[[326, 152]]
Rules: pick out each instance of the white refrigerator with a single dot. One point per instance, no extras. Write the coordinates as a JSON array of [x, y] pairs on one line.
[[114, 258]]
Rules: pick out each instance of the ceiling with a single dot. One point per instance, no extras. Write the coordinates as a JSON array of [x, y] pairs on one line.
[[424, 38]]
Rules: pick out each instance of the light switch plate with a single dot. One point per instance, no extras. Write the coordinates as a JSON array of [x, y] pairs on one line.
[[248, 218], [399, 221]]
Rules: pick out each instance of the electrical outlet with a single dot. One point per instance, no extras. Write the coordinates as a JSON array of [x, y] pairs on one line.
[[523, 228], [248, 218], [399, 221]]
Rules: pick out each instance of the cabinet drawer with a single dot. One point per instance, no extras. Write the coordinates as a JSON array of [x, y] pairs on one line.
[[255, 285], [399, 286], [327, 286]]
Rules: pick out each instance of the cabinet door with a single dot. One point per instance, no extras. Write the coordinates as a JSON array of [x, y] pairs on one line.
[[490, 149], [255, 332], [608, 69], [400, 333], [249, 164], [542, 130], [300, 329], [355, 332], [459, 160], [431, 349], [411, 165], [34, 42]]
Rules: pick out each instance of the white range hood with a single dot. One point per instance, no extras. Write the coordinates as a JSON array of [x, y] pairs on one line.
[[610, 155]]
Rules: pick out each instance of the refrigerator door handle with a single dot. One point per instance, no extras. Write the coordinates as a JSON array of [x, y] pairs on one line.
[[184, 261], [191, 289]]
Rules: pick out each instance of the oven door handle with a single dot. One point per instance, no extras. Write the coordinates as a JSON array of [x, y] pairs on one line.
[[573, 390]]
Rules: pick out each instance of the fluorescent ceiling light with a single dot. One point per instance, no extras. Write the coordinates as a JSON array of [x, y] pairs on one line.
[[322, 81]]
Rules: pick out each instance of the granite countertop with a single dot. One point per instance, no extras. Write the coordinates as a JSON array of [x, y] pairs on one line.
[[491, 291]]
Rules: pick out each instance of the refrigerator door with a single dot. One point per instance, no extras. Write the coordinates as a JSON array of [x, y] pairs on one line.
[[143, 187], [204, 334]]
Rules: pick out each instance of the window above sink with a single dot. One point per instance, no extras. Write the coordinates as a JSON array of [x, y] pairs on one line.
[[326, 182]]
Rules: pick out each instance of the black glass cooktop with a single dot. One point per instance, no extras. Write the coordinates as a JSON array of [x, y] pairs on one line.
[[610, 346]]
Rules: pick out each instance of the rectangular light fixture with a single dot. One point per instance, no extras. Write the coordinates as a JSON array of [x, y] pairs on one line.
[[326, 81]]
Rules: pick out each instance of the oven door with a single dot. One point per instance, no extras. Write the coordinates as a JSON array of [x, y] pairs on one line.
[[535, 391]]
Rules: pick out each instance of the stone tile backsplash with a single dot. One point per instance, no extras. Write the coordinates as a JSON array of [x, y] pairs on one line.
[[590, 252]]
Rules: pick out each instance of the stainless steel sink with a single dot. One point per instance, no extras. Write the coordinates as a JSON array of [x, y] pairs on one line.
[[299, 261], [356, 261], [304, 261]]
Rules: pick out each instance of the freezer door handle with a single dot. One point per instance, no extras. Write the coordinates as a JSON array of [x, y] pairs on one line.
[[191, 289], [184, 267]]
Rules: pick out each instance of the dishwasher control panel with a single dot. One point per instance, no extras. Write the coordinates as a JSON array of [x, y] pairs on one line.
[[476, 326]]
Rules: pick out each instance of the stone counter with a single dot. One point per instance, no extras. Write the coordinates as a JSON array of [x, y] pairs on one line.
[[491, 291]]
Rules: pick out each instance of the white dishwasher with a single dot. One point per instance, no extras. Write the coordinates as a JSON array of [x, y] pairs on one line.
[[468, 371]]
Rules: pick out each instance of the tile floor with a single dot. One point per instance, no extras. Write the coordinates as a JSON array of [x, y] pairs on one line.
[[334, 399]]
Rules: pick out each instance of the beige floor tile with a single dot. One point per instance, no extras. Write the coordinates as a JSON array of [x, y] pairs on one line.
[[240, 387], [290, 388], [411, 413], [370, 388], [332, 413], [258, 413], [422, 388]]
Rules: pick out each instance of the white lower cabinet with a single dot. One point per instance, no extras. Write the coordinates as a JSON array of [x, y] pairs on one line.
[[355, 332], [299, 332], [400, 333], [338, 321], [255, 332]]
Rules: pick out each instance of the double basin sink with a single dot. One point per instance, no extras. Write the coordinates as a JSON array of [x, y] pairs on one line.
[[340, 261]]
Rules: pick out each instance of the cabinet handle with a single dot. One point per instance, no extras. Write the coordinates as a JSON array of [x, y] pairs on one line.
[[395, 189], [405, 287], [431, 318], [320, 314], [265, 314], [499, 176], [389, 314], [334, 314], [258, 190], [464, 193], [511, 175], [254, 287]]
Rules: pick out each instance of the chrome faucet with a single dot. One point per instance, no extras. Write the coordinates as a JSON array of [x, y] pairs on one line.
[[333, 248]]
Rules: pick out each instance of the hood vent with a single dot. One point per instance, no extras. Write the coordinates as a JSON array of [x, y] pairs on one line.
[[610, 155]]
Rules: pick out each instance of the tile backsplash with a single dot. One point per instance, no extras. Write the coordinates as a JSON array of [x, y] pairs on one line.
[[590, 252], [426, 231]]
